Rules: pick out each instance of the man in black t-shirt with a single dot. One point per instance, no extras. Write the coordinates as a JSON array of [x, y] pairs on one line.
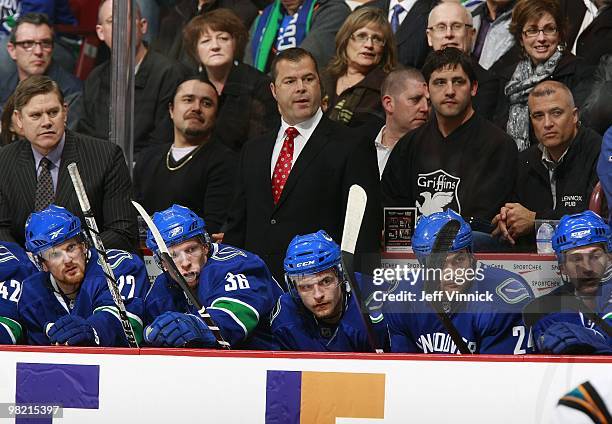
[[458, 159]]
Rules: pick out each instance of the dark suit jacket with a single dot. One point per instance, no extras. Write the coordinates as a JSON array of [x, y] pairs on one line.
[[105, 176], [596, 40], [314, 197], [411, 36]]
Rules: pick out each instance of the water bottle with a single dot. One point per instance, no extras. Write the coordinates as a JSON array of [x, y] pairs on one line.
[[544, 238]]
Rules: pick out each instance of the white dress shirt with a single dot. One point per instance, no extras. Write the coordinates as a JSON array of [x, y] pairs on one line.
[[305, 128], [406, 4]]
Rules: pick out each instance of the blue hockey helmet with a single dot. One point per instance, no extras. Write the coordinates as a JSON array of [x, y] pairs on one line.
[[50, 227], [580, 229], [428, 227], [311, 253], [176, 225]]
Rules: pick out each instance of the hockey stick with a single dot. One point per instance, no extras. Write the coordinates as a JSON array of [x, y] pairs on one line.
[[355, 209], [171, 268], [94, 234], [436, 261]]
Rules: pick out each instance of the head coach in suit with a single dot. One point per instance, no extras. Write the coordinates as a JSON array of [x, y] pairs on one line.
[[33, 172], [295, 180]]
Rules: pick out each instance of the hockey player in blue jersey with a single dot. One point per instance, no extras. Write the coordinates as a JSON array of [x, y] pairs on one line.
[[320, 314], [15, 266], [564, 320], [70, 303], [489, 317], [235, 286]]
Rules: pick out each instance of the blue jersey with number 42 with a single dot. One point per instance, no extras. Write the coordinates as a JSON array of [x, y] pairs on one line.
[[15, 266], [42, 303], [492, 326], [237, 290]]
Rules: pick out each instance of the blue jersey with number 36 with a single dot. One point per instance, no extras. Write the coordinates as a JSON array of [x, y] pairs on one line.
[[237, 290], [492, 325], [15, 266], [42, 303]]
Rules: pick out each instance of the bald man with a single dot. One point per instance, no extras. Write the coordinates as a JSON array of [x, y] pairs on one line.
[[450, 25], [555, 176], [405, 99]]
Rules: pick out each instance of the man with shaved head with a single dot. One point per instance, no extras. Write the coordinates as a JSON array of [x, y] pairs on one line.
[[555, 176], [450, 25], [405, 99]]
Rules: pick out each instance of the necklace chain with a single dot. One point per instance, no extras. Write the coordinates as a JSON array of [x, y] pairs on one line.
[[191, 155]]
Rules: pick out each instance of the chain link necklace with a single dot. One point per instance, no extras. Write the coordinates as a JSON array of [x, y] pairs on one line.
[[184, 161]]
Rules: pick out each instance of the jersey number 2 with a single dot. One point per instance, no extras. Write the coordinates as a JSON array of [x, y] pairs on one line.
[[236, 281]]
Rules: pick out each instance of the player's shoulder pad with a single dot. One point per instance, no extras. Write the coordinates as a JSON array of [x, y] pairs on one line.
[[285, 311], [121, 259], [509, 287]]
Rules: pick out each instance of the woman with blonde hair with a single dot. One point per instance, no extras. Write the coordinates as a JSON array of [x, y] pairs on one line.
[[365, 54]]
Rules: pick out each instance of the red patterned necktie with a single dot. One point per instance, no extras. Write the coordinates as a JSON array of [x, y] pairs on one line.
[[283, 164]]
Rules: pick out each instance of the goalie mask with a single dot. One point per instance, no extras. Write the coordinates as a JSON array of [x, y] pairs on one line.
[[428, 227]]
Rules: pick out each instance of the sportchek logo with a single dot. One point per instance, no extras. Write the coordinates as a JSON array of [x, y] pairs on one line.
[[438, 191], [580, 234], [54, 234], [175, 231]]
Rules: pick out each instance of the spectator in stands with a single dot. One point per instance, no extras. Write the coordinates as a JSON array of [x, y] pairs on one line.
[[457, 160], [450, 25], [405, 99], [155, 80], [590, 29], [216, 40], [271, 206], [57, 12], [8, 129], [493, 38], [569, 319], [365, 54], [540, 29], [556, 176], [41, 113], [408, 21], [309, 24], [170, 41], [31, 47], [194, 171], [604, 170], [597, 110]]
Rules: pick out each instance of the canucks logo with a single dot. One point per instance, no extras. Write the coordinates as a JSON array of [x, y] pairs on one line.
[[512, 291], [115, 257], [438, 191], [6, 255], [226, 253]]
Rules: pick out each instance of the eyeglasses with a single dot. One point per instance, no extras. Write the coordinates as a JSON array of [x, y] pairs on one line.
[[363, 38], [28, 45], [454, 27], [534, 32]]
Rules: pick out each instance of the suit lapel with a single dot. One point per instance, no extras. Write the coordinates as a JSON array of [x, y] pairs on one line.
[[407, 29], [26, 171], [264, 156], [64, 183], [313, 147]]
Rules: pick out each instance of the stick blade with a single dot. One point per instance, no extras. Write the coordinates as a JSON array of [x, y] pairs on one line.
[[355, 209]]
